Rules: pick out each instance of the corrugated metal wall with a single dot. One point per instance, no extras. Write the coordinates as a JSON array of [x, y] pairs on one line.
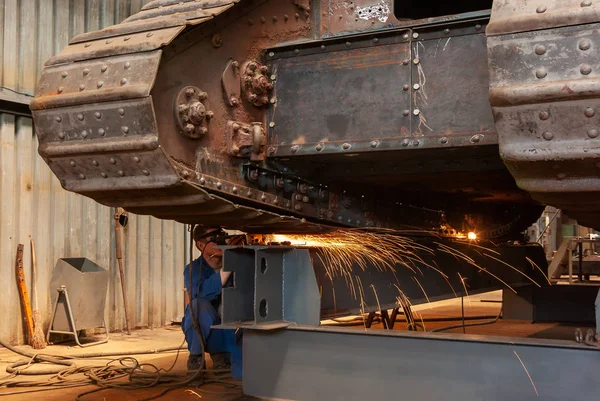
[[62, 224]]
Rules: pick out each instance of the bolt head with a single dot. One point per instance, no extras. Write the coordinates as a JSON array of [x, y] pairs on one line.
[[416, 112], [121, 112], [541, 9], [540, 49], [98, 115], [589, 112], [416, 86], [210, 114], [405, 142], [319, 147], [415, 35], [443, 140], [544, 115], [541, 73], [374, 144], [189, 128], [585, 69], [272, 124], [416, 60], [346, 146], [548, 135], [586, 3], [585, 44], [203, 130], [202, 95], [295, 148], [593, 133]]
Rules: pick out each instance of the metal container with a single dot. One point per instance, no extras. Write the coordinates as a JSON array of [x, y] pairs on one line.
[[86, 285]]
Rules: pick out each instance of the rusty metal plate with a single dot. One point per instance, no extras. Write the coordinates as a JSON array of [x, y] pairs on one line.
[[95, 80], [185, 11], [128, 28], [509, 16], [130, 43], [344, 95], [450, 87], [198, 3]]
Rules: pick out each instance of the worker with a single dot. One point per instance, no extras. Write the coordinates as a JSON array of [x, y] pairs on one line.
[[206, 297]]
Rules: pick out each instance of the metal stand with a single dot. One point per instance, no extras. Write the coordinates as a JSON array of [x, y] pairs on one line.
[[63, 299]]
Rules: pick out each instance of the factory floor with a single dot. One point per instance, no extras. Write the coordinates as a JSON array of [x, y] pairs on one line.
[[486, 305]]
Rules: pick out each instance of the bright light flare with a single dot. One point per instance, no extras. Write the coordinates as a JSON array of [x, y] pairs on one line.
[[471, 236]]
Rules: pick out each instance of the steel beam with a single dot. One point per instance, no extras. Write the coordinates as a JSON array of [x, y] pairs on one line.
[[353, 364]]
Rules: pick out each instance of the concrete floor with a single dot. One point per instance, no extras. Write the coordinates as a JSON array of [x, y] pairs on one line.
[[139, 340], [484, 304]]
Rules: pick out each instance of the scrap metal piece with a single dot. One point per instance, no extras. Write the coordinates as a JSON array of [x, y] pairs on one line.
[[246, 140]]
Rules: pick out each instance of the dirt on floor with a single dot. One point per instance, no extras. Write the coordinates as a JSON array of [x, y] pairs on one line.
[[119, 342]]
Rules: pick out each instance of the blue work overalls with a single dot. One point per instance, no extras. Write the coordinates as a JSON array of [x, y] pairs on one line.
[[206, 289]]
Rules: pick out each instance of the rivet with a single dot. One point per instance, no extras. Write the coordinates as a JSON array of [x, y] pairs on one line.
[[263, 197], [58, 119], [250, 22], [475, 138], [80, 117], [108, 41], [125, 129], [121, 173], [322, 47], [416, 86], [415, 35], [593, 133], [585, 44], [104, 68], [273, 100], [82, 176], [65, 74], [202, 181], [127, 65], [87, 45], [541, 73], [586, 3], [405, 87], [405, 113], [405, 142], [405, 61], [478, 26], [585, 69], [61, 89], [297, 207], [541, 9], [149, 34], [103, 174], [548, 135], [346, 146], [348, 44], [145, 172], [589, 112], [262, 20], [95, 162], [84, 134], [121, 112], [272, 124], [123, 81], [560, 176], [374, 144], [446, 31], [86, 71], [416, 60], [296, 51], [72, 163], [405, 36], [126, 38], [136, 159], [415, 142], [101, 131], [219, 185], [286, 17], [540, 49], [271, 54], [81, 87], [295, 148], [340, 218], [319, 147], [98, 115], [112, 161], [443, 140], [274, 18], [416, 112], [544, 115], [375, 40], [61, 135], [273, 77]]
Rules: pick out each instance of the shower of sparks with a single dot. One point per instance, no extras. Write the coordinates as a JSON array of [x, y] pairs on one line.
[[527, 372], [515, 269], [541, 271], [422, 289]]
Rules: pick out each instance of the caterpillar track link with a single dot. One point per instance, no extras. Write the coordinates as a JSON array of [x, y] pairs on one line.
[[294, 116]]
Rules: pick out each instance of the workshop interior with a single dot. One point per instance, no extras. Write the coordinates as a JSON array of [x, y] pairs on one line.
[[299, 199]]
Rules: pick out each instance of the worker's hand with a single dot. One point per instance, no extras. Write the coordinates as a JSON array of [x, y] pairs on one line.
[[237, 240]]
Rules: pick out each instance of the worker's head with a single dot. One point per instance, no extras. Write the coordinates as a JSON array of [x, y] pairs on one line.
[[204, 237]]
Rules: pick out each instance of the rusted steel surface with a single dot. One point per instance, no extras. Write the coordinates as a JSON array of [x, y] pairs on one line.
[[544, 91], [203, 112]]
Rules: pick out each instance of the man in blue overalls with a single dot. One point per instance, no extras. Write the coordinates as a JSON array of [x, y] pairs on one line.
[[206, 297]]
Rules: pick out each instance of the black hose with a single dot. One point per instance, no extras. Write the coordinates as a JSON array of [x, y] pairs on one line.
[[469, 325]]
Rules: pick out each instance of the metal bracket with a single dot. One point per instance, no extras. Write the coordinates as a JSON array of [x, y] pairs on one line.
[[273, 288]]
